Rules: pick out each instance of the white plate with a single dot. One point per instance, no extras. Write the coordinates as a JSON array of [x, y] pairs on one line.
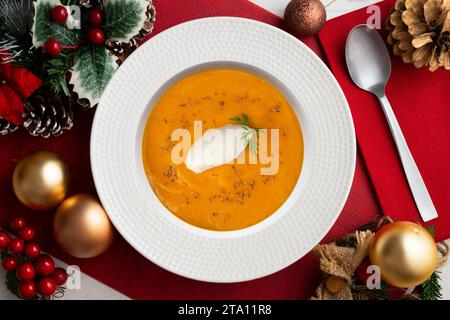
[[315, 203]]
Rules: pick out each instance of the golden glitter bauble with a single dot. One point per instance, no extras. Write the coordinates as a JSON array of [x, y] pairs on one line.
[[41, 180], [81, 227], [305, 17], [405, 252]]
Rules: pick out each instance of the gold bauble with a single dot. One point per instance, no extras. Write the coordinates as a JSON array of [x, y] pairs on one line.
[[40, 180], [81, 227], [405, 252], [305, 17]]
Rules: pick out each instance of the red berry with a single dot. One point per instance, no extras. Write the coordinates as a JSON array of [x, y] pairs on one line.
[[60, 276], [96, 36], [46, 286], [16, 245], [44, 265], [95, 16], [17, 224], [25, 272], [59, 14], [53, 47], [32, 250], [27, 233], [27, 290], [4, 239], [10, 264]]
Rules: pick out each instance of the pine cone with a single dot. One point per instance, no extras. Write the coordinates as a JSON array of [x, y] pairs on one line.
[[123, 49], [420, 32], [6, 127], [45, 116]]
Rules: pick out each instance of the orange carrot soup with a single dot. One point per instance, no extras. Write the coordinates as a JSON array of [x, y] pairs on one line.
[[234, 195]]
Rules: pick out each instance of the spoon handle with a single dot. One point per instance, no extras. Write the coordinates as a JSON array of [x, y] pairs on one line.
[[417, 185]]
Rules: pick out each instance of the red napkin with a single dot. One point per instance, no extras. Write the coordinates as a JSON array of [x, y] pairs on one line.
[[121, 267], [421, 102]]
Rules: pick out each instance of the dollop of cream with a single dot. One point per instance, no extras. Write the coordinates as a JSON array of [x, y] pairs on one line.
[[216, 147]]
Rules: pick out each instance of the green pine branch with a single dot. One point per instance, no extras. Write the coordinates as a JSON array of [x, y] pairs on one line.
[[431, 289], [57, 69], [16, 18]]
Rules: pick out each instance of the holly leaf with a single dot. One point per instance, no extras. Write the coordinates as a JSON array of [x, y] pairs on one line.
[[44, 29], [124, 18], [93, 69]]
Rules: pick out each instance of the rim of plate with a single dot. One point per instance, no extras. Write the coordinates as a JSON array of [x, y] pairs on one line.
[[317, 199]]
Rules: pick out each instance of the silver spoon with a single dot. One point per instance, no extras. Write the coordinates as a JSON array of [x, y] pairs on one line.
[[369, 66]]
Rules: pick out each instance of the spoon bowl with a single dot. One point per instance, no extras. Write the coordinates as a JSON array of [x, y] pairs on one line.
[[367, 58]]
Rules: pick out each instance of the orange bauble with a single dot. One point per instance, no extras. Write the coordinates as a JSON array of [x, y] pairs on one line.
[[81, 227]]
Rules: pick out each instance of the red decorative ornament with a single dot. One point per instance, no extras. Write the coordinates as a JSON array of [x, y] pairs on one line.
[[16, 245], [27, 290], [95, 17], [46, 286], [44, 265], [60, 276], [25, 272], [24, 258], [16, 83], [4, 239], [10, 264], [27, 233], [96, 36], [53, 47], [32, 250], [59, 14], [17, 224]]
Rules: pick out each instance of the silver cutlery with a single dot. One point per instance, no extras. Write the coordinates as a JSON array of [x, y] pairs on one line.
[[369, 65]]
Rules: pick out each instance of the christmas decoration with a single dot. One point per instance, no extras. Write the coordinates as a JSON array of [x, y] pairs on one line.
[[59, 14], [44, 265], [40, 180], [46, 286], [16, 20], [10, 264], [419, 32], [4, 239], [95, 17], [17, 224], [25, 272], [46, 116], [29, 276], [405, 252], [96, 36], [27, 233], [345, 263], [32, 250], [52, 47], [74, 52], [81, 227], [305, 17], [60, 276], [27, 290], [7, 127], [16, 245], [16, 83]]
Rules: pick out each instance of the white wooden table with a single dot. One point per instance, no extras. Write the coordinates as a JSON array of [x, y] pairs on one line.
[[93, 289]]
